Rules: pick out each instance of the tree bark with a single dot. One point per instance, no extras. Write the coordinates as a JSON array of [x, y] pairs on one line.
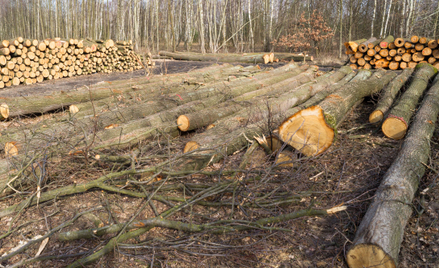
[[257, 58], [312, 130], [397, 122], [385, 42], [188, 122], [389, 95], [294, 57], [262, 111], [379, 236]]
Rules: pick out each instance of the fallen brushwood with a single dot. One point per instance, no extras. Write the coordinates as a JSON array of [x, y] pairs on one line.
[[312, 130], [389, 95], [397, 122], [378, 239]]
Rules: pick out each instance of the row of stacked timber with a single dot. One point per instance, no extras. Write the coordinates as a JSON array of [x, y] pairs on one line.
[[391, 53], [254, 58], [25, 61]]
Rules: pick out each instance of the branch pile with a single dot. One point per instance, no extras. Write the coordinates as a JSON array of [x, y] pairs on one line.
[[24, 61], [391, 53]]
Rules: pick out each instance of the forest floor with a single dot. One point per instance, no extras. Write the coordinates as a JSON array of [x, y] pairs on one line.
[[347, 174]]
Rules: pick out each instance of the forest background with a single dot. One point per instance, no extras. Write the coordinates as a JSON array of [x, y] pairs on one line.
[[311, 26]]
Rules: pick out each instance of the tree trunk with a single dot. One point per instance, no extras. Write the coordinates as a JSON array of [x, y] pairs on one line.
[[385, 42], [263, 110], [389, 95], [312, 130], [396, 124], [256, 58], [363, 47], [40, 104], [352, 46], [188, 122], [379, 236], [294, 57]]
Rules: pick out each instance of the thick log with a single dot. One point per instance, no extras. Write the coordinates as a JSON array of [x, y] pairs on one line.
[[378, 239], [234, 141], [352, 46], [385, 42], [188, 122], [364, 46], [414, 39], [294, 57], [40, 104], [260, 111], [312, 130], [432, 44], [396, 124], [388, 96], [202, 57]]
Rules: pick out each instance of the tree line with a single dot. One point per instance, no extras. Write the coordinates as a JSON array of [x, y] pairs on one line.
[[215, 25]]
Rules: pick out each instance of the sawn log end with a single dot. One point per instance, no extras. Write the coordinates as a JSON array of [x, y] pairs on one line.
[[307, 131]]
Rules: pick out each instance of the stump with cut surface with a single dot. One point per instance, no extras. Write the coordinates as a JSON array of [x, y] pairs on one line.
[[379, 236], [396, 124], [312, 130]]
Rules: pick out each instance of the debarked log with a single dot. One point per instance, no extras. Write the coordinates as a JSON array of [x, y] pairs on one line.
[[378, 239]]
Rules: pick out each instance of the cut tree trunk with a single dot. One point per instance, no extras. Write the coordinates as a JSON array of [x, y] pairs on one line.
[[262, 111], [397, 122], [40, 104], [389, 95], [312, 130], [378, 239], [258, 58], [385, 42], [240, 138], [188, 122], [294, 57], [352, 46], [364, 46]]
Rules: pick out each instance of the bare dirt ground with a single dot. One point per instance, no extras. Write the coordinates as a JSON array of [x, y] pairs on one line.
[[347, 174]]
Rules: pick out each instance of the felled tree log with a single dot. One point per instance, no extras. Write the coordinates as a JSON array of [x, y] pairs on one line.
[[260, 58], [187, 122], [396, 124], [312, 130], [113, 124], [389, 95], [261, 111], [385, 42], [237, 139], [40, 104], [364, 46], [352, 46], [379, 236], [291, 56]]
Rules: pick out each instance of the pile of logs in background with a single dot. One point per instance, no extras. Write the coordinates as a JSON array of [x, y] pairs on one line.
[[24, 61], [391, 53]]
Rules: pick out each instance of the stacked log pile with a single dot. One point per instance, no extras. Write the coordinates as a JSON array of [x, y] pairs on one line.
[[391, 53], [24, 61]]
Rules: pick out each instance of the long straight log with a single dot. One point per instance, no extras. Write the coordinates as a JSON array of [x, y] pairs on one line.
[[261, 111], [389, 95], [188, 122], [39, 104], [397, 122], [201, 57], [312, 130], [378, 239], [237, 140]]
